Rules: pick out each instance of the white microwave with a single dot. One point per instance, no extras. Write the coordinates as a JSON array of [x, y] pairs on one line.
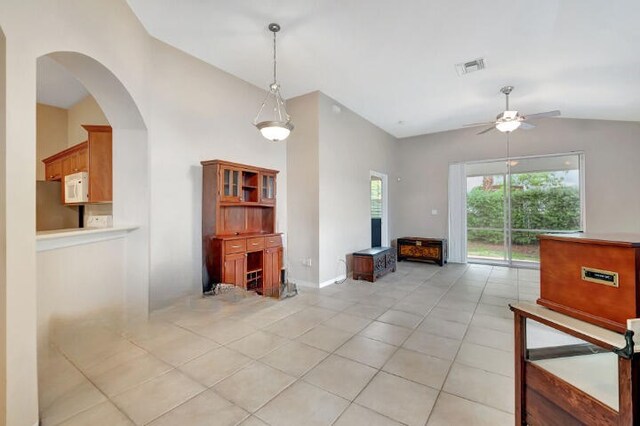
[[76, 188]]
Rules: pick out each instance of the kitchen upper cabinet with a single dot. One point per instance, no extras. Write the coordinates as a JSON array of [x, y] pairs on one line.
[[53, 170], [93, 156]]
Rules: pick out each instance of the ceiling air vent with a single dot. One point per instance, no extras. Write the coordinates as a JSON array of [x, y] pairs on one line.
[[470, 66]]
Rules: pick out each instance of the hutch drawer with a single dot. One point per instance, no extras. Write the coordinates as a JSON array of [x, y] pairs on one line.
[[255, 244], [275, 241], [235, 246]]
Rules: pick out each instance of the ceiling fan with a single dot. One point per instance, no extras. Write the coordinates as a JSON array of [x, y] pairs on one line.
[[508, 120]]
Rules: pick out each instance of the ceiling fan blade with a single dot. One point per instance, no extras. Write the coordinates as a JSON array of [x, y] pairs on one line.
[[486, 123], [554, 113], [526, 126], [488, 129]]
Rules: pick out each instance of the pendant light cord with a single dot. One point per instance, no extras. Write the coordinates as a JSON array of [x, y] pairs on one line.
[[275, 80]]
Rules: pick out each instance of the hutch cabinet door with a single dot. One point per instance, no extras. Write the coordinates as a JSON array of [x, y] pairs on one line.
[[271, 270], [231, 184], [267, 188], [235, 269]]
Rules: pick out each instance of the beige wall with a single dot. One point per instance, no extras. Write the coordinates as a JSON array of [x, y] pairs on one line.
[[329, 158], [87, 111], [611, 150], [302, 190], [51, 134], [350, 147], [3, 235]]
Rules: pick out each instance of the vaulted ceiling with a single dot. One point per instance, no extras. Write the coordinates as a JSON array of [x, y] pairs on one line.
[[393, 61]]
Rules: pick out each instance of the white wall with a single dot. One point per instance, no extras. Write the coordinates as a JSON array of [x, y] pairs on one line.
[[611, 150], [302, 190], [192, 112]]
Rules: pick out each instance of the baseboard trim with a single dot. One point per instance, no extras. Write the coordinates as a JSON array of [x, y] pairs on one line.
[[333, 280], [303, 283]]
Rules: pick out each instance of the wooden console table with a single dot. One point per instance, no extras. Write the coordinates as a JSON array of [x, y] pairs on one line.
[[371, 264], [429, 249], [544, 398]]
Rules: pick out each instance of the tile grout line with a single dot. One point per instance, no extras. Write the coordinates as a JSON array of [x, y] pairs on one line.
[[458, 351], [380, 369]]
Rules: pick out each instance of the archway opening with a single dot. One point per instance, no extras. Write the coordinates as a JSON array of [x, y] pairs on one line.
[[90, 281]]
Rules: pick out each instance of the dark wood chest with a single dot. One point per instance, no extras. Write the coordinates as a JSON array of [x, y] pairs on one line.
[[594, 278], [371, 264], [425, 249]]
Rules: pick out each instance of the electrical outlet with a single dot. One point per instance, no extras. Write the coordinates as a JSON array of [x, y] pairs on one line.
[[99, 221]]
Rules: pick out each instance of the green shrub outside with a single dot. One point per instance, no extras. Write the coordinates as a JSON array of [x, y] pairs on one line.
[[538, 201]]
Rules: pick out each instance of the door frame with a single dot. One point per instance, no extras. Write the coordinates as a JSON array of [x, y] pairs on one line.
[[385, 205]]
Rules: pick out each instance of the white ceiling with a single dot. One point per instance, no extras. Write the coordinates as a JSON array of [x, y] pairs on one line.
[[393, 61], [56, 86]]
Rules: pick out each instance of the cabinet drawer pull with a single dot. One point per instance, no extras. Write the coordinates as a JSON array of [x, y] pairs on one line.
[[254, 244], [235, 246]]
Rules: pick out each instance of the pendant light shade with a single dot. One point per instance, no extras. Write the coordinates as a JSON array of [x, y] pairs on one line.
[[278, 126]]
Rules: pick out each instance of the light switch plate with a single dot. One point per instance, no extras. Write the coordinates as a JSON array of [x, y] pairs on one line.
[[434, 212]]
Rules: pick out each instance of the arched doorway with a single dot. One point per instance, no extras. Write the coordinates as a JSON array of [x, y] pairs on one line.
[[104, 279]]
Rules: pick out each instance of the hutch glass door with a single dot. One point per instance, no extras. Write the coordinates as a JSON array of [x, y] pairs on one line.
[[230, 184]]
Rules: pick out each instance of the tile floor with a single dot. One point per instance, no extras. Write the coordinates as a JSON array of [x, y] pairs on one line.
[[422, 346]]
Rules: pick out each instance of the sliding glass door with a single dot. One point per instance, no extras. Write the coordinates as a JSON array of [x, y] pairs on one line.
[[509, 202]]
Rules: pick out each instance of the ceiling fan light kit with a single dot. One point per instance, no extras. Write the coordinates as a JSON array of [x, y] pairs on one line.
[[279, 126], [510, 120]]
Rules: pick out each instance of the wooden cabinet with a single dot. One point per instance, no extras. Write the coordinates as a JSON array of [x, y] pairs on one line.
[[230, 184], [595, 278], [267, 188], [271, 267], [235, 267], [53, 170], [93, 156], [238, 222], [371, 264], [584, 375], [425, 249]]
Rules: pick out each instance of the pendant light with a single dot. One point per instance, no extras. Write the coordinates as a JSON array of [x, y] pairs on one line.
[[277, 127]]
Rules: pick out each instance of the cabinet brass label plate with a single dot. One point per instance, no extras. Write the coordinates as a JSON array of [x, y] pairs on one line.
[[418, 243], [600, 276]]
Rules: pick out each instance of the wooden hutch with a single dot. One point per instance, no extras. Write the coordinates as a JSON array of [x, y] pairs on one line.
[[240, 242]]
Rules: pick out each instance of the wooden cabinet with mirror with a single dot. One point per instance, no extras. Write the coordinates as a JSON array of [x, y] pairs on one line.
[[240, 242]]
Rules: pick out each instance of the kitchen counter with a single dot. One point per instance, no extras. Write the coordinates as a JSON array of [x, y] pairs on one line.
[[55, 239]]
